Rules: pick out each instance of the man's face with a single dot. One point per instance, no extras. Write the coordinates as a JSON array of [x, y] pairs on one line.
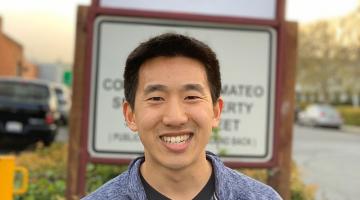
[[173, 113]]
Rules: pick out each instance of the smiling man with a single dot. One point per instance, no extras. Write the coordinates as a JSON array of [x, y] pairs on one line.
[[172, 91]]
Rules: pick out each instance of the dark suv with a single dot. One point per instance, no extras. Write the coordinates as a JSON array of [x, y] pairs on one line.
[[28, 111]]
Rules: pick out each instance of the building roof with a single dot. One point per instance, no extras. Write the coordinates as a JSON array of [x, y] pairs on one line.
[[8, 37]]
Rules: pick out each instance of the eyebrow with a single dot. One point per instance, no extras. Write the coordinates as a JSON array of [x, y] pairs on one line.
[[162, 88], [195, 87], [153, 88]]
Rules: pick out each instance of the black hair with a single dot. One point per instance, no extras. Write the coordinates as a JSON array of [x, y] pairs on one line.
[[171, 45]]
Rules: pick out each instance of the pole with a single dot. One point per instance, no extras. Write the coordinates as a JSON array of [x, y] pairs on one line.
[[76, 169], [279, 177]]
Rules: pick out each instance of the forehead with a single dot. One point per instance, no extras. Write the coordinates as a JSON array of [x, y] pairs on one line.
[[172, 70]]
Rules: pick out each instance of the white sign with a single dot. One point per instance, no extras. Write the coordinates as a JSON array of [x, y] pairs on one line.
[[247, 60], [259, 9]]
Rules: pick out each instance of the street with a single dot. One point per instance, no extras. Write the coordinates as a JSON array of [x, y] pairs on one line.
[[63, 134], [330, 159]]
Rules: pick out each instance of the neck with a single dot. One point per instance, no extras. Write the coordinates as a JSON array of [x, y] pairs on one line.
[[183, 183]]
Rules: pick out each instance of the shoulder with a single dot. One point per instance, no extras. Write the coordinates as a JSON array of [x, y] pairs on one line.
[[231, 184], [125, 186], [245, 186], [113, 189]]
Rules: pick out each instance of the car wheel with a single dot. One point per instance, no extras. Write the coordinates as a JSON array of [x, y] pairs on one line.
[[337, 127], [64, 121], [312, 123], [49, 139]]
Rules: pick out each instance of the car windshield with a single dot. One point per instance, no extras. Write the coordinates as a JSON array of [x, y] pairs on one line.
[[22, 92], [60, 96], [328, 110]]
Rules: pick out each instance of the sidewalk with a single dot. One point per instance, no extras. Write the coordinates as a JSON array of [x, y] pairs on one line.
[[351, 129]]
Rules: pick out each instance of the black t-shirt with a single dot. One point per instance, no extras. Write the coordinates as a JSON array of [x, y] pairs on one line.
[[207, 193]]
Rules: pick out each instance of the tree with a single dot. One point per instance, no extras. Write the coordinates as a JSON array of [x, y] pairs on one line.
[[317, 55], [329, 56]]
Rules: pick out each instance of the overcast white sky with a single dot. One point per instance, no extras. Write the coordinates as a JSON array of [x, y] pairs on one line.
[[46, 28]]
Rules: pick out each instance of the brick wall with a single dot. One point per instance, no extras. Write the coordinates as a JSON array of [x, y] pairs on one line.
[[12, 61]]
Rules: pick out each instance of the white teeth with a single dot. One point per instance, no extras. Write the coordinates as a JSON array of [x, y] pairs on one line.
[[175, 139]]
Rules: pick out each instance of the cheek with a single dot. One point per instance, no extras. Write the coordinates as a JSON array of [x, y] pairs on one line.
[[203, 117], [147, 120]]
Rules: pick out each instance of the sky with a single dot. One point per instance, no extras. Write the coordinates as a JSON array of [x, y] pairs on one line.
[[46, 28]]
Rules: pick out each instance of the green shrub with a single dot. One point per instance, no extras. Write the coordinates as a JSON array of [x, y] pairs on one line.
[[258, 174], [47, 170], [299, 190], [350, 115], [98, 174]]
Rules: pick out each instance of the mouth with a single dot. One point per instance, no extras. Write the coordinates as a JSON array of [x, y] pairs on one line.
[[176, 139]]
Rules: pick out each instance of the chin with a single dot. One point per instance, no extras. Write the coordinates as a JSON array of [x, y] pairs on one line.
[[178, 163], [176, 166]]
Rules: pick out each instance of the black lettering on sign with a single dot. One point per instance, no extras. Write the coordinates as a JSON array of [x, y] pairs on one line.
[[117, 102], [123, 137], [221, 141], [250, 91], [229, 124], [109, 84], [243, 141], [231, 107]]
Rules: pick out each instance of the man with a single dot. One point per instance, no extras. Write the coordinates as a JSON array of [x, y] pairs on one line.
[[172, 91]]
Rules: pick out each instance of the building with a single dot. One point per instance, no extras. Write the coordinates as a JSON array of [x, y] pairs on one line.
[[12, 60], [51, 71]]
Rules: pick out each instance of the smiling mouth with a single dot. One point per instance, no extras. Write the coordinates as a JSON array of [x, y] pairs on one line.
[[178, 139]]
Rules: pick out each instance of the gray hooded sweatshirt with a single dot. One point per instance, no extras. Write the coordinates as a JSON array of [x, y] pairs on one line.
[[229, 185]]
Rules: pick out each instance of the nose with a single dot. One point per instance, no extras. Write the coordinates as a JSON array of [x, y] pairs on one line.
[[174, 114]]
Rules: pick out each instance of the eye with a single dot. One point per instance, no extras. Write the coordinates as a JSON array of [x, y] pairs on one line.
[[192, 98], [155, 99]]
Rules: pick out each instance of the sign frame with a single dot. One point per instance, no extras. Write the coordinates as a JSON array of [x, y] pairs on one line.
[[96, 9], [256, 9], [136, 22]]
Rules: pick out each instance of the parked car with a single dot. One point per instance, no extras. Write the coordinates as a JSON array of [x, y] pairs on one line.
[[28, 111], [297, 110], [64, 102], [320, 115]]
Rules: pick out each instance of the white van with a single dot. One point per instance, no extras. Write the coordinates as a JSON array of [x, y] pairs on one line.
[[63, 95]]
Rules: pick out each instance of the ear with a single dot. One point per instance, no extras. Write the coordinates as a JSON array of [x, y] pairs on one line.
[[218, 106], [129, 116]]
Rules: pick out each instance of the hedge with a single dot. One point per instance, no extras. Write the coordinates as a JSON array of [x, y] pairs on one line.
[[350, 115]]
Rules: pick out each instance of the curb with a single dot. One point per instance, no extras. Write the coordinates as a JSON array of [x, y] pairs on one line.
[[351, 129]]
